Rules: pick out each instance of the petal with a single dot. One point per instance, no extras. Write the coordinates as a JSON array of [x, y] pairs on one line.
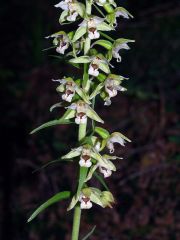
[[73, 153]]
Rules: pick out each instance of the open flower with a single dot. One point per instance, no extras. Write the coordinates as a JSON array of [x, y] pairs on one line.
[[92, 26], [68, 86], [63, 44], [85, 160], [61, 41], [118, 12], [112, 86], [82, 111], [116, 137], [71, 8], [85, 202], [101, 198], [98, 63], [118, 45]]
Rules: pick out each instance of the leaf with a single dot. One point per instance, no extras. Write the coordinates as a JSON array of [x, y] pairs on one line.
[[101, 180], [83, 59], [79, 33], [49, 163], [50, 124], [89, 234], [104, 43], [58, 197]]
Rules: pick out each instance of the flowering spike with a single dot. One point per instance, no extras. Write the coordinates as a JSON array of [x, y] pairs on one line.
[[80, 46]]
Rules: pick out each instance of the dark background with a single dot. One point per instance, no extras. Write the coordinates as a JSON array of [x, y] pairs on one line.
[[146, 186]]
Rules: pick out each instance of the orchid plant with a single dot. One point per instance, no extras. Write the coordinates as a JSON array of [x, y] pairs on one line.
[[78, 98]]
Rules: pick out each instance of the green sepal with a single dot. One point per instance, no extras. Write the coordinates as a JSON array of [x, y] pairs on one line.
[[118, 134], [93, 115], [102, 132], [56, 198], [70, 113], [79, 33], [104, 67], [104, 27], [82, 59], [122, 40], [124, 10], [63, 16], [96, 196], [104, 43], [88, 7], [91, 172], [73, 153], [102, 161]]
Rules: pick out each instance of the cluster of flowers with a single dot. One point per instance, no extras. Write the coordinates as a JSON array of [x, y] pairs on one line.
[[78, 94]]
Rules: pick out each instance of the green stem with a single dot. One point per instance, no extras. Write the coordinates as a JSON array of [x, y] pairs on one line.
[[77, 210], [81, 135], [76, 222]]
